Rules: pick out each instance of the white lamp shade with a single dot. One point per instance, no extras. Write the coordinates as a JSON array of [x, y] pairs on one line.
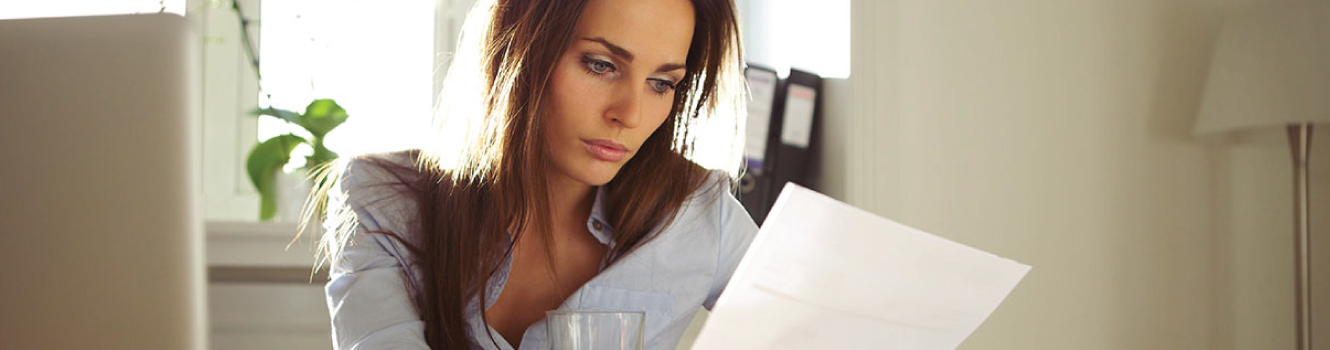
[[1271, 68]]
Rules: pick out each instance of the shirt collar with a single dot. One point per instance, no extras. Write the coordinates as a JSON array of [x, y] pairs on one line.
[[597, 223]]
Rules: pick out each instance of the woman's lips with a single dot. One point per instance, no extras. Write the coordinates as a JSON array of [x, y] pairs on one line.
[[606, 150]]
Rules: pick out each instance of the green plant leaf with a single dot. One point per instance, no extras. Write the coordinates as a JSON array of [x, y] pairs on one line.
[[263, 164], [321, 116], [283, 114], [320, 156]]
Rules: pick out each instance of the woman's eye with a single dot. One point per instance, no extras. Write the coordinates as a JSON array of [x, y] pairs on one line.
[[598, 66], [661, 86]]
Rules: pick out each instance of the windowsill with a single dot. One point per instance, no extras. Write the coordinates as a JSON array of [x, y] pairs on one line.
[[257, 245], [240, 229]]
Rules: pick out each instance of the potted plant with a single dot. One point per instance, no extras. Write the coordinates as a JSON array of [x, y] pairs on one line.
[[268, 157]]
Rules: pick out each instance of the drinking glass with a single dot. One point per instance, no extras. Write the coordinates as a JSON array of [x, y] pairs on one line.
[[596, 330]]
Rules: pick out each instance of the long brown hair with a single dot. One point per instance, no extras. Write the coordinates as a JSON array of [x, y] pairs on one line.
[[471, 193]]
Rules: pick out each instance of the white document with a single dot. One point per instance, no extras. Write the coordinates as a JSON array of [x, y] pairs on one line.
[[822, 274]]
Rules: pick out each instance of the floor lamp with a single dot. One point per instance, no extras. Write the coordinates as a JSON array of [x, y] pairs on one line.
[[1271, 68]]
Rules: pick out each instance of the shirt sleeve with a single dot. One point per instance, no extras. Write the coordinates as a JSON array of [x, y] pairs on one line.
[[367, 293], [736, 230]]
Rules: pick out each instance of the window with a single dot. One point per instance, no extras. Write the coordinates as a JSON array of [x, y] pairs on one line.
[[375, 58], [809, 35]]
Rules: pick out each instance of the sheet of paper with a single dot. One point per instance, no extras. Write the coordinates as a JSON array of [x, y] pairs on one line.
[[822, 274]]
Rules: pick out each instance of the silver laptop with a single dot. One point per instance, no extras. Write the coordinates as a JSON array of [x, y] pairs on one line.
[[100, 208]]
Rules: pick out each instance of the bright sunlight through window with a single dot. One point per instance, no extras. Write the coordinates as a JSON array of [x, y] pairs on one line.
[[812, 36], [375, 58]]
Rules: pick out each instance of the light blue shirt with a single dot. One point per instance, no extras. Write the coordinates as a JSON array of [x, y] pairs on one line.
[[686, 266]]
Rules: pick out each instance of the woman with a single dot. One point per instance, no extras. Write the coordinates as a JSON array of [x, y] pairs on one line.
[[572, 189]]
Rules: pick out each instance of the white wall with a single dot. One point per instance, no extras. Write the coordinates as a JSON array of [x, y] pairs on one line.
[[1057, 133]]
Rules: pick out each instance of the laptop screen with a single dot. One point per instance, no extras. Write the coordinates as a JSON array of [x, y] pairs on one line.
[[101, 226]]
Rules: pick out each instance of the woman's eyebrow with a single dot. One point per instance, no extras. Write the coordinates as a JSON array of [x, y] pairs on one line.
[[670, 67], [614, 49], [628, 56]]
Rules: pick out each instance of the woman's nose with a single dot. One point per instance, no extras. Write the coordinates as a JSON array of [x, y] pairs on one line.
[[626, 109]]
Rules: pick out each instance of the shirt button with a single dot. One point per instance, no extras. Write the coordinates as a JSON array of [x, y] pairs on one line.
[[595, 224]]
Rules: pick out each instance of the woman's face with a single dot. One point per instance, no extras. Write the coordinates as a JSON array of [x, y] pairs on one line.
[[614, 85]]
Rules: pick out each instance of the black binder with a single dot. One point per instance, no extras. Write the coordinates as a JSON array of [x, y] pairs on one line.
[[763, 133], [787, 143], [801, 115]]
